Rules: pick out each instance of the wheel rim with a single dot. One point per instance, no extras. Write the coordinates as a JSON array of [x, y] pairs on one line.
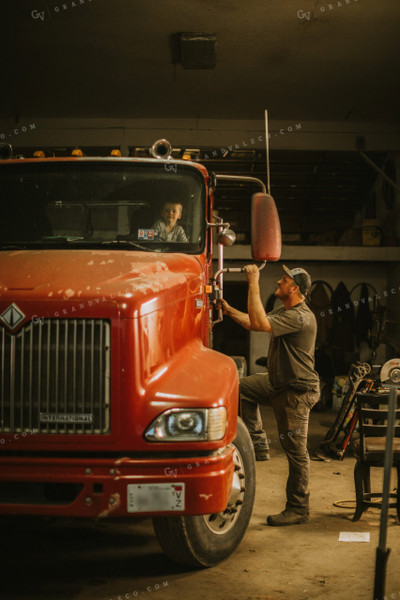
[[222, 522]]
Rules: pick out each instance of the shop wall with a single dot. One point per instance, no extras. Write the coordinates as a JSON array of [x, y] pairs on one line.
[[351, 273]]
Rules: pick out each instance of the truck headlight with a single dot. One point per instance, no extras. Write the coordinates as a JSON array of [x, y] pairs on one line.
[[188, 425]]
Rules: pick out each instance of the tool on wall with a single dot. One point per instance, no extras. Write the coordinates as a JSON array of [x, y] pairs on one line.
[[363, 318], [345, 417], [379, 321], [319, 301], [390, 372]]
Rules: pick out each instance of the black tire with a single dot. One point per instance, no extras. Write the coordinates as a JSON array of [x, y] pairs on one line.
[[206, 540]]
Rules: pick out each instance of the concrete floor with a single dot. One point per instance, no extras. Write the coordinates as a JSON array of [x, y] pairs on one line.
[[50, 560]]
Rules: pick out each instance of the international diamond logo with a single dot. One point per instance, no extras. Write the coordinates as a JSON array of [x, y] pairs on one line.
[[12, 316]]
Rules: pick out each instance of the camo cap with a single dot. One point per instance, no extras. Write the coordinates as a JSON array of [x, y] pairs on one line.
[[301, 277]]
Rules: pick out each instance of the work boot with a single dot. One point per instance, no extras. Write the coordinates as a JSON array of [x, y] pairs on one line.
[[262, 454], [261, 451], [287, 517]]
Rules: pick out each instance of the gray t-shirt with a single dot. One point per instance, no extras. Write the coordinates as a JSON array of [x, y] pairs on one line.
[[161, 232], [292, 348]]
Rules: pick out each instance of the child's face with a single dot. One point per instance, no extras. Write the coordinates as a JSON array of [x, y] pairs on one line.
[[170, 213]]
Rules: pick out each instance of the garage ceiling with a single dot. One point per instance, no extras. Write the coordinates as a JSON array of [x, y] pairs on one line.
[[301, 59], [304, 60]]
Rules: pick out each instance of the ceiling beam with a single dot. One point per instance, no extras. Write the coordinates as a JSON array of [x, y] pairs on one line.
[[222, 134]]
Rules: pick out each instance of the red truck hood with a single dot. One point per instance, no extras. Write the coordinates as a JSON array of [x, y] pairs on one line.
[[83, 274]]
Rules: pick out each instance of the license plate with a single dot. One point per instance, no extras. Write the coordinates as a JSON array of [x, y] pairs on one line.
[[154, 497]]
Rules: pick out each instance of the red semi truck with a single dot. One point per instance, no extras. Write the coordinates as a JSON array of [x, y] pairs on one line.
[[113, 403]]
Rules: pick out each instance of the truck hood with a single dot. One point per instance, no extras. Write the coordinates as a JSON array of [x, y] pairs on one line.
[[83, 274]]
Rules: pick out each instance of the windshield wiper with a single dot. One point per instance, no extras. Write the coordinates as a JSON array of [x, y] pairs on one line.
[[62, 238], [129, 243], [67, 241], [20, 245], [40, 243], [5, 246]]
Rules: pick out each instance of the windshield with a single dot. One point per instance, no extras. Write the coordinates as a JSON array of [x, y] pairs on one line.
[[102, 203]]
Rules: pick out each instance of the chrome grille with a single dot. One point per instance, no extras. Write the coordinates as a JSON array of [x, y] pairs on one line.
[[55, 377]]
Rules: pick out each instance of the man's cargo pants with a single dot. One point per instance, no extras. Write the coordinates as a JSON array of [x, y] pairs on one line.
[[292, 411]]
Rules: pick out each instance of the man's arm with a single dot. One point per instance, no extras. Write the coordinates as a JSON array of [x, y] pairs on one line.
[[238, 316], [257, 316], [256, 319]]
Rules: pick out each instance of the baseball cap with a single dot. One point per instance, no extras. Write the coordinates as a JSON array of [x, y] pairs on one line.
[[301, 277]]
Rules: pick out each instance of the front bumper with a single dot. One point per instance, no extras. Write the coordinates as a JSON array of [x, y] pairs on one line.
[[84, 487]]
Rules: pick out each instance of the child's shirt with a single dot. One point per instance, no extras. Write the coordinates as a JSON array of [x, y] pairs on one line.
[[176, 235]]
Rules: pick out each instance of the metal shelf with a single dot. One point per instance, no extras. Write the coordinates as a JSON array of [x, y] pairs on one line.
[[321, 253]]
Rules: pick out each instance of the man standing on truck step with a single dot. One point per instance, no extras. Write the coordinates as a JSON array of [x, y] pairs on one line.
[[291, 383]]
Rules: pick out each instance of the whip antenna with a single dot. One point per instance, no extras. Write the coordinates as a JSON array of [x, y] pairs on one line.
[[267, 151]]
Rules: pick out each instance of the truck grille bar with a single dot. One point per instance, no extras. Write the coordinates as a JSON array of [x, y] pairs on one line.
[[55, 377]]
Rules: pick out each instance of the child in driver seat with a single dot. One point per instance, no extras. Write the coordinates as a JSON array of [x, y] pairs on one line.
[[166, 229]]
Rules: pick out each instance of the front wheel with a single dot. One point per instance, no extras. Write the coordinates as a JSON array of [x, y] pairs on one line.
[[206, 540]]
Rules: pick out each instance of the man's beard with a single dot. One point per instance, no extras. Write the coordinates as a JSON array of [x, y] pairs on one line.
[[281, 296]]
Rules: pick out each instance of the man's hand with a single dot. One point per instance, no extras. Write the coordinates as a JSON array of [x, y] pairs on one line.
[[255, 319], [238, 316], [252, 273], [224, 305]]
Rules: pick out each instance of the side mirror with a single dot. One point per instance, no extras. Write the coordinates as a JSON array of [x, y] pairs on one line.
[[227, 237], [266, 240]]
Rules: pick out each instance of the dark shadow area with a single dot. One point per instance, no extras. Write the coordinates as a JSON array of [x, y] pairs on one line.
[[57, 559], [229, 337]]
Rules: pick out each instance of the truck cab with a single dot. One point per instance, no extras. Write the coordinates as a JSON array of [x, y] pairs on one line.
[[113, 402]]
